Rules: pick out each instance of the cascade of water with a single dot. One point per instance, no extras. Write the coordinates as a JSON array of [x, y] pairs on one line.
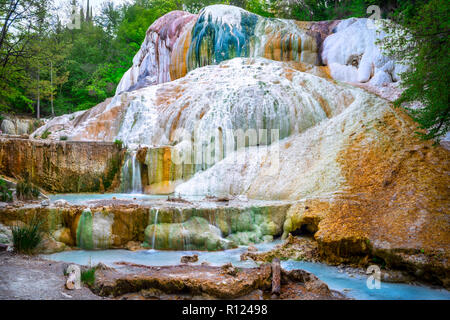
[[131, 174], [136, 182], [184, 232], [154, 229]]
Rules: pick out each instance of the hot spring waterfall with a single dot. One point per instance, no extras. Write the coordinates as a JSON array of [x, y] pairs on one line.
[[131, 174]]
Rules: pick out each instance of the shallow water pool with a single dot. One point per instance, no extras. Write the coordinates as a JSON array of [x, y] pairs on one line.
[[353, 286], [81, 198], [158, 257]]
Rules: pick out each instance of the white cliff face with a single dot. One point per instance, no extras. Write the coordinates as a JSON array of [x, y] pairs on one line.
[[214, 102], [300, 166], [353, 55], [237, 94], [16, 126], [216, 116]]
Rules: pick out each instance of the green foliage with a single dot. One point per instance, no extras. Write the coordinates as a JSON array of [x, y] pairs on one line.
[[63, 138], [27, 237], [45, 134], [261, 8], [118, 143], [86, 64], [5, 193], [88, 276], [25, 190], [421, 39]]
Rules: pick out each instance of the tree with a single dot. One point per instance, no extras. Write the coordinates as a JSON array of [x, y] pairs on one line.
[[421, 39], [19, 20]]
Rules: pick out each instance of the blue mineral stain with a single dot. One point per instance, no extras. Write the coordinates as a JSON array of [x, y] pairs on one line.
[[215, 40]]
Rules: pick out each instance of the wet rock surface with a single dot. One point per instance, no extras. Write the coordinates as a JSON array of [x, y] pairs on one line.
[[189, 259], [189, 282], [306, 249], [157, 224], [295, 248]]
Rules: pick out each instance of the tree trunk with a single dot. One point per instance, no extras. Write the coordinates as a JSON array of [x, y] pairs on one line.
[[38, 109], [51, 87], [276, 277]]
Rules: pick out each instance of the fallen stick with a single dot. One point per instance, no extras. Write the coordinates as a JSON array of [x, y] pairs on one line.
[[276, 276]]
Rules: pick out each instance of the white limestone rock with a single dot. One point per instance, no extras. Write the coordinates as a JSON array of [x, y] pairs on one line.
[[5, 235], [353, 55], [74, 277]]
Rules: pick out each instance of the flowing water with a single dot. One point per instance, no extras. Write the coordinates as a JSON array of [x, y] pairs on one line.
[[353, 286], [131, 175], [154, 228]]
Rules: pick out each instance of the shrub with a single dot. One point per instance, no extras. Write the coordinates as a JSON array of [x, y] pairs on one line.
[[88, 276], [63, 138], [5, 193], [27, 237], [118, 143], [45, 134], [25, 190]]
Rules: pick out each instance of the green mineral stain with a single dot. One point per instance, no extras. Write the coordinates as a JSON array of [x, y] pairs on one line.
[[54, 220], [84, 231]]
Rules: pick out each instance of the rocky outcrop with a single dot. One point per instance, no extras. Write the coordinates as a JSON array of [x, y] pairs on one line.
[[216, 228], [367, 184], [160, 170], [353, 54], [293, 248], [180, 42], [151, 65], [206, 282], [62, 166], [179, 112], [196, 233], [158, 225], [6, 237], [18, 126]]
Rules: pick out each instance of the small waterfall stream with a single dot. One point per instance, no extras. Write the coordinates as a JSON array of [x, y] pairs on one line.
[[131, 174], [136, 182], [155, 223]]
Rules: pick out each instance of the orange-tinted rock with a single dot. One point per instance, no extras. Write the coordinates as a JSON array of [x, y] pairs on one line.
[[62, 166], [64, 235], [393, 205]]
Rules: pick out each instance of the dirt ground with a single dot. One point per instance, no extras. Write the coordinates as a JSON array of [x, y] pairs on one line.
[[32, 278]]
